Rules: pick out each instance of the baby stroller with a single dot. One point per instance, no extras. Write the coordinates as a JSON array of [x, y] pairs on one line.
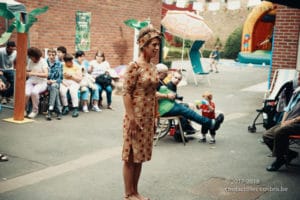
[[282, 88]]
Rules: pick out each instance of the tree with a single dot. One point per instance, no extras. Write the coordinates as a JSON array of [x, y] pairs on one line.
[[233, 44]]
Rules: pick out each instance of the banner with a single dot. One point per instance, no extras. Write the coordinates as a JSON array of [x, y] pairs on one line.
[[83, 23]]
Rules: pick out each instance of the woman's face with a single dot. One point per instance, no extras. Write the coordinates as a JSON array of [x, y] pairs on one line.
[[152, 48], [99, 58]]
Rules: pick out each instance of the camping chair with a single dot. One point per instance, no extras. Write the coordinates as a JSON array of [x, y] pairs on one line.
[[195, 57]]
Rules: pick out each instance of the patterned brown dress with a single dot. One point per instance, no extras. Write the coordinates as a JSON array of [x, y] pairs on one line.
[[140, 82]]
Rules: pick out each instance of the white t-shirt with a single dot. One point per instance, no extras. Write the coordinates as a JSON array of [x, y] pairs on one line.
[[7, 61], [99, 68], [41, 66]]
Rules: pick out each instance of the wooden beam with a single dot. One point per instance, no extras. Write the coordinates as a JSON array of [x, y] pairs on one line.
[[20, 75]]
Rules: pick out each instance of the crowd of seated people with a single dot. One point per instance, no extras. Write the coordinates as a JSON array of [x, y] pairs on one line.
[[69, 81]]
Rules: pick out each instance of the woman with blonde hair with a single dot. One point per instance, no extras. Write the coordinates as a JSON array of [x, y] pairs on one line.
[[140, 83]]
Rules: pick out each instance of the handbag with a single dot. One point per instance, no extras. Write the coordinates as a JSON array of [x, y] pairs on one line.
[[104, 80]]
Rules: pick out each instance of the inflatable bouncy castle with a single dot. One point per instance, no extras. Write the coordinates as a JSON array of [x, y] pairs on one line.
[[257, 35]]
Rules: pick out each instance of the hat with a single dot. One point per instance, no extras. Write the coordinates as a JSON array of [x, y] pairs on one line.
[[153, 33], [10, 44]]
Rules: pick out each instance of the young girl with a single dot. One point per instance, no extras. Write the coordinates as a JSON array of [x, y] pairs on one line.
[[207, 107]]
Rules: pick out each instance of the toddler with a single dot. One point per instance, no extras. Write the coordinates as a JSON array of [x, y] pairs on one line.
[[207, 107], [87, 81]]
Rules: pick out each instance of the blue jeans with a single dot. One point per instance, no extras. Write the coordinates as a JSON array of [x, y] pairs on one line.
[[108, 90], [180, 109], [95, 94]]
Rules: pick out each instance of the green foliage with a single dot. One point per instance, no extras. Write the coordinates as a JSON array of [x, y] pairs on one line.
[[206, 53], [187, 43], [233, 44], [218, 42]]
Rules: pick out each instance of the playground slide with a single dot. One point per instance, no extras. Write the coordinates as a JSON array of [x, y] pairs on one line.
[[195, 57]]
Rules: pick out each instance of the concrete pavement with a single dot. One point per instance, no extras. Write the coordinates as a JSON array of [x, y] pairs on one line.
[[80, 159]]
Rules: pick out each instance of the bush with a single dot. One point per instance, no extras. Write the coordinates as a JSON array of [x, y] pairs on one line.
[[233, 44]]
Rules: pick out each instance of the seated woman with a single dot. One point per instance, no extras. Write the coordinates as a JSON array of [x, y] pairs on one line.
[[98, 67], [37, 73], [71, 78]]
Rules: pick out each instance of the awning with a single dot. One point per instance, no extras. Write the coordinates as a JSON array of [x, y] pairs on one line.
[[14, 6], [289, 3]]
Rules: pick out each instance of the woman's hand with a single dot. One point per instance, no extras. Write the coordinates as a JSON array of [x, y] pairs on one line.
[[134, 127]]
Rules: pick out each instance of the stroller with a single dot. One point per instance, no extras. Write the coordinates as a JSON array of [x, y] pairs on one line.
[[271, 111]]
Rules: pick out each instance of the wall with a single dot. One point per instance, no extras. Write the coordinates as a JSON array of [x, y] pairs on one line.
[[108, 32], [286, 39]]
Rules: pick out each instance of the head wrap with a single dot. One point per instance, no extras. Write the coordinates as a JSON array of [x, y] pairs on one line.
[[149, 36]]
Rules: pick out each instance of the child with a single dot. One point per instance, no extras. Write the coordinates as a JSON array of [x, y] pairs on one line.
[[215, 57], [87, 81], [207, 107]]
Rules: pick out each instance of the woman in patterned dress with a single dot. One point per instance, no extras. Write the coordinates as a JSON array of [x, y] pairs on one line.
[[141, 110]]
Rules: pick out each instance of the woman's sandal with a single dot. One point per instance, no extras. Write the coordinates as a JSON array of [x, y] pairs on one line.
[[3, 158], [131, 197]]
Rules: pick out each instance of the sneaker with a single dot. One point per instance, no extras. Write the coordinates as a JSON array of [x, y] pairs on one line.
[[32, 115], [96, 109], [203, 140], [212, 141], [59, 116], [218, 121], [75, 112], [3, 101], [48, 116], [65, 110], [85, 109], [211, 70]]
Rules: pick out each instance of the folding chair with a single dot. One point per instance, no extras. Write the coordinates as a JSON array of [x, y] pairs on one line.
[[195, 57], [160, 132]]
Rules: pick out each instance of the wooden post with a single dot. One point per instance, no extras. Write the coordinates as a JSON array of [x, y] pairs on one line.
[[20, 76]]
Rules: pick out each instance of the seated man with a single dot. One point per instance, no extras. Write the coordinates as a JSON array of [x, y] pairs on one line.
[[7, 61], [169, 107], [277, 137], [172, 85]]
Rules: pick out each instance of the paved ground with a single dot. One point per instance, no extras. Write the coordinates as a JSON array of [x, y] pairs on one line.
[[80, 159]]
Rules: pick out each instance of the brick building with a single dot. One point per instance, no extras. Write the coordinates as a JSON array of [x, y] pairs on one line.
[[107, 31], [286, 50]]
